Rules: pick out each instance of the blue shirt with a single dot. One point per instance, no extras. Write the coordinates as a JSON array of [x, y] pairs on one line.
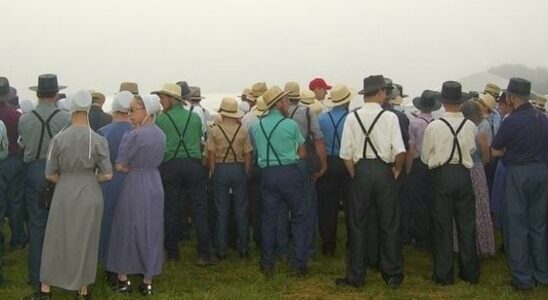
[[524, 134], [331, 124], [284, 140], [494, 119]]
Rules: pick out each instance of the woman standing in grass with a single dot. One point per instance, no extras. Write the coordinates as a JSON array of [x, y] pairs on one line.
[[137, 238]]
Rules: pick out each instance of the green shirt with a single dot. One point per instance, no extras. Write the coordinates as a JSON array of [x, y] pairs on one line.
[[284, 141], [29, 128], [175, 146]]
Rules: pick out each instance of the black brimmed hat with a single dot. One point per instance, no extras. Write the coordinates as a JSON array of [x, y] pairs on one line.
[[47, 83], [372, 83]]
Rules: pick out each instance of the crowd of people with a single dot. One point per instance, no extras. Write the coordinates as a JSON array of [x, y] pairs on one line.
[[82, 187]]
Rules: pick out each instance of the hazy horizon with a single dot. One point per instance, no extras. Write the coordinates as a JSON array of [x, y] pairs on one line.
[[225, 46]]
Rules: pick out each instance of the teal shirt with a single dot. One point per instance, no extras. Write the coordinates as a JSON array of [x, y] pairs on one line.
[[284, 141], [192, 136]]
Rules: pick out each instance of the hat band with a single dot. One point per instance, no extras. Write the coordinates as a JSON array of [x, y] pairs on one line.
[[276, 98], [342, 99], [228, 111]]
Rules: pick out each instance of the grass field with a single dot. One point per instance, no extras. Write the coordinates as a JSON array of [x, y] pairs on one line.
[[239, 279]]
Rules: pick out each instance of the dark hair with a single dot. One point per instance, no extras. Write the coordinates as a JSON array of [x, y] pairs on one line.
[[372, 93], [41, 95], [472, 111]]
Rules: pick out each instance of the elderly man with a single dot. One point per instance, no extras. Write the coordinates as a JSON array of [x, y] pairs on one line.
[[280, 145], [522, 141], [97, 117], [182, 173], [49, 120], [373, 153]]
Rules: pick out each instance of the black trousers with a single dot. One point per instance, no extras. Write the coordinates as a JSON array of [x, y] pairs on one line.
[[453, 198], [333, 187], [373, 188], [419, 197], [183, 180]]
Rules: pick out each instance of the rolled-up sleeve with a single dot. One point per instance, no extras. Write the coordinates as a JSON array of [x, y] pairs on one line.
[[347, 141]]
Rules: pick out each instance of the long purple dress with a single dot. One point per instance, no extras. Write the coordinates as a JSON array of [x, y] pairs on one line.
[[137, 237]]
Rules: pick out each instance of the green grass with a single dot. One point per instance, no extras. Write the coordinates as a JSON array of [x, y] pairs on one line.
[[238, 279]]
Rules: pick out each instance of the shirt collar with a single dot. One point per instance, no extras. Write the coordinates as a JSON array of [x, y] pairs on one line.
[[371, 105], [274, 112], [425, 115], [526, 106], [340, 108], [453, 114]]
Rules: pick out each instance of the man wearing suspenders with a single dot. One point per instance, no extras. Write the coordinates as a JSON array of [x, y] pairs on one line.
[[182, 173], [522, 141], [418, 185], [447, 151], [229, 150], [334, 186], [36, 130], [316, 160], [279, 146], [373, 153]]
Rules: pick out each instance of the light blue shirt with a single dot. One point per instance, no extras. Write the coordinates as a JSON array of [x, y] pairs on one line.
[[331, 124]]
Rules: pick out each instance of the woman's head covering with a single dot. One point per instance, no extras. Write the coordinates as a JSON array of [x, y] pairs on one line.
[[80, 101], [26, 106], [152, 104], [244, 106], [63, 104], [121, 102]]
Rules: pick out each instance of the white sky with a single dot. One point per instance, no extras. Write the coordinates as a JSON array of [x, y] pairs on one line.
[[224, 46]]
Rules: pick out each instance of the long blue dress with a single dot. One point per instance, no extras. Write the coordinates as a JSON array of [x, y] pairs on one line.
[[113, 133], [137, 237]]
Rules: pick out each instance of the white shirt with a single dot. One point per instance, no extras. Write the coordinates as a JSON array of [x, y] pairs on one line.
[[386, 135], [248, 119], [438, 141], [200, 113]]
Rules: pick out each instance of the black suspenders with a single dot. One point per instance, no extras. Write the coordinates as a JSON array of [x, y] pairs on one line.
[[456, 144], [336, 138], [45, 126], [427, 122], [269, 144], [181, 136], [368, 133], [230, 142]]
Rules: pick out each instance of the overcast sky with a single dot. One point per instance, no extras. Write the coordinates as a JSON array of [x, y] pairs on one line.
[[224, 46]]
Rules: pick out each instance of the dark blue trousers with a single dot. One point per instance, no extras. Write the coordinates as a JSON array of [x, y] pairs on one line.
[[12, 185], [284, 184], [525, 215], [183, 181], [230, 176], [38, 217]]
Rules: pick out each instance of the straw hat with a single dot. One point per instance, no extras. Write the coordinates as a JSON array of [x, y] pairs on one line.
[[488, 101], [131, 87], [540, 102], [293, 89], [258, 89], [260, 109], [229, 108], [339, 95], [247, 95], [171, 90], [307, 97], [492, 89], [273, 95]]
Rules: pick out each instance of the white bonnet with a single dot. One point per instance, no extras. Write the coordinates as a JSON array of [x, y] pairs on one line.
[[152, 104], [79, 101], [26, 106], [121, 101]]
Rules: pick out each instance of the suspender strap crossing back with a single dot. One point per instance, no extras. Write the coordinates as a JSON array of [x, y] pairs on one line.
[[456, 144], [181, 136], [269, 144], [427, 122], [336, 139], [45, 126], [368, 133], [230, 142]]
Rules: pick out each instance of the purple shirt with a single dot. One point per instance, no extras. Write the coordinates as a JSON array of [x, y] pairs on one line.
[[10, 117], [416, 131], [524, 134]]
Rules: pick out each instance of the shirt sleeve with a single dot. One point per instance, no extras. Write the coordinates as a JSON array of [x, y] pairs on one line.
[[348, 144], [396, 140], [128, 148], [297, 134], [210, 142], [52, 162], [412, 136], [427, 144], [315, 126], [103, 157], [501, 139], [247, 142]]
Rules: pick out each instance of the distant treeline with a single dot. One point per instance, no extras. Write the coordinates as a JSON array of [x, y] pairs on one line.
[[537, 76]]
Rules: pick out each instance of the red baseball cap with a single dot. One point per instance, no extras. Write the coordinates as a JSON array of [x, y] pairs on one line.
[[318, 83]]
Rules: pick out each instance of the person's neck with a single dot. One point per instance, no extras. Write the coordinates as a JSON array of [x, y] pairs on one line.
[[120, 117], [452, 108], [379, 101], [48, 100], [519, 104], [80, 119]]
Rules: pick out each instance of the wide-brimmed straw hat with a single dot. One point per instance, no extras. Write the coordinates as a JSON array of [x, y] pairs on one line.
[[307, 97], [540, 102], [258, 89], [492, 89], [339, 95], [171, 90], [488, 101], [273, 95], [229, 108], [293, 90], [260, 108]]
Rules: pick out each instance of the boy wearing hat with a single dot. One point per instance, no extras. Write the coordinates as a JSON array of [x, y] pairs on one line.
[[447, 151], [418, 187], [334, 186], [280, 145], [51, 121], [373, 153], [229, 151], [522, 142], [182, 173]]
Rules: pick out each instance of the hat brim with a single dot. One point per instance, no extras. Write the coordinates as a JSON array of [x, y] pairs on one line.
[[258, 112], [167, 94], [463, 98], [278, 98], [347, 99], [196, 98], [36, 89], [417, 102], [236, 115], [530, 97], [372, 89]]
